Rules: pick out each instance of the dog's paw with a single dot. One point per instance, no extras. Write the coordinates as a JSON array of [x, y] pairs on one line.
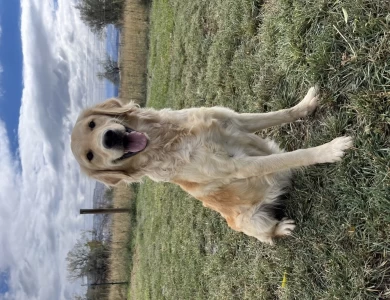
[[308, 104], [335, 150], [284, 227]]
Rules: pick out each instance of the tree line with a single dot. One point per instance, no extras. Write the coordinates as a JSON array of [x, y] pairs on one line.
[[97, 14], [89, 257]]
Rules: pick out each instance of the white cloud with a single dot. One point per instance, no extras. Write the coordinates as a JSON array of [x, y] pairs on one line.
[[9, 195], [40, 197]]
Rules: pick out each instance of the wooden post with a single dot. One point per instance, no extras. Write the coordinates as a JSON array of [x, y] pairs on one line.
[[105, 283], [104, 211]]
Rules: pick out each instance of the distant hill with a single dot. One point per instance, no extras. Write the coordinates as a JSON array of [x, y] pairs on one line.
[[101, 221]]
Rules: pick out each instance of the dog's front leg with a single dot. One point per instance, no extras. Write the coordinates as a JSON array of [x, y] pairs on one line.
[[251, 122], [262, 165]]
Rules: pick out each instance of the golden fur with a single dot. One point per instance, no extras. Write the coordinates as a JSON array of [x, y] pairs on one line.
[[212, 153]]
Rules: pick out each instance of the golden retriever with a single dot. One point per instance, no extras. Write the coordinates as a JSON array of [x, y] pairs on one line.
[[211, 153]]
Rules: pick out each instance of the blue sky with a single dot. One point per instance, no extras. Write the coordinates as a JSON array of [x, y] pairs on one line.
[[11, 61], [11, 83], [48, 65], [4, 277]]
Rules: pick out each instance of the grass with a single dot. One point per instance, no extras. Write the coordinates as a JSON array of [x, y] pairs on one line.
[[256, 56]]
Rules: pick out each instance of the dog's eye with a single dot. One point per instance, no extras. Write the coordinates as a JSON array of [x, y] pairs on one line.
[[91, 124], [90, 155]]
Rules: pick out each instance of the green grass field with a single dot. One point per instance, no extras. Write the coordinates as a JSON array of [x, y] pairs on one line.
[[254, 56]]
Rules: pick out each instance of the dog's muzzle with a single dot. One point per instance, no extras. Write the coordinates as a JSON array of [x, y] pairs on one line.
[[129, 141]]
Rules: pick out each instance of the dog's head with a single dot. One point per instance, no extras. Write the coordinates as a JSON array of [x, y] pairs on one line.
[[105, 139]]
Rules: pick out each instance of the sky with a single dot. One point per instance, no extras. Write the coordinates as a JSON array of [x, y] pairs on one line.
[[11, 65], [48, 65]]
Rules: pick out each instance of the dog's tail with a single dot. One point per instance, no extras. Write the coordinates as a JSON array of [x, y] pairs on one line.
[[266, 221]]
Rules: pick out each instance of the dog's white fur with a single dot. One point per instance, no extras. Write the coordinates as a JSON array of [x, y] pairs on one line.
[[212, 153]]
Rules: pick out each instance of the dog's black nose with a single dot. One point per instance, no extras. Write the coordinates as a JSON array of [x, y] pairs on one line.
[[111, 139]]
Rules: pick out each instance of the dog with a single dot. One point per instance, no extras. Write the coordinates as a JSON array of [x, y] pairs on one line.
[[211, 153]]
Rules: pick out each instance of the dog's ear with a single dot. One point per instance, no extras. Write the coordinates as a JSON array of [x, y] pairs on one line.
[[110, 107], [110, 178]]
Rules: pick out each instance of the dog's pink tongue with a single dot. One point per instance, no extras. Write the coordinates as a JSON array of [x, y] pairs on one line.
[[136, 141]]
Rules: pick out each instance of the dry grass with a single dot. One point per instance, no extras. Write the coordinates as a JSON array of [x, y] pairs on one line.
[[119, 257], [133, 64], [135, 269], [133, 58]]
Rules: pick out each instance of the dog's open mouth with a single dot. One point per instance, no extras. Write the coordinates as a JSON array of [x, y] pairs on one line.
[[133, 143]]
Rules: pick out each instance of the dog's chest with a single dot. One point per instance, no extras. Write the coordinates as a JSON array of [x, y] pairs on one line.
[[218, 144], [212, 147]]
